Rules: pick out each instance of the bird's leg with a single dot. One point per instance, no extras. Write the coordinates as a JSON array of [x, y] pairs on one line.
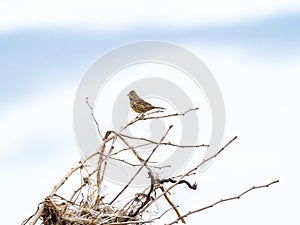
[[140, 115]]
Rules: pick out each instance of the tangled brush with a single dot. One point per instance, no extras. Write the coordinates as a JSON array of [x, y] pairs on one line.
[[88, 205]]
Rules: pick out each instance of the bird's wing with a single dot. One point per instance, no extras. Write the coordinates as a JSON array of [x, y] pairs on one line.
[[145, 106]]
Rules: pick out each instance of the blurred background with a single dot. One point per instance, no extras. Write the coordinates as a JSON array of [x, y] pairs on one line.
[[251, 47]]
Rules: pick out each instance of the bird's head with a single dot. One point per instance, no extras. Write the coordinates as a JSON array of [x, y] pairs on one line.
[[132, 94]]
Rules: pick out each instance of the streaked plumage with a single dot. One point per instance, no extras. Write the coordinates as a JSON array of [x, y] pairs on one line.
[[138, 104]]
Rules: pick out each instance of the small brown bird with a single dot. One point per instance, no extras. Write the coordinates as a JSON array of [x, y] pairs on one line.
[[138, 104]]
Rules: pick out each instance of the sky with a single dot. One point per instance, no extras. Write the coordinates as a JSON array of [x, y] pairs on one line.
[[252, 49]]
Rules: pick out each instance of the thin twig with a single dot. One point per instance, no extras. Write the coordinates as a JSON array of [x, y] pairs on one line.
[[148, 197], [164, 143], [105, 161], [94, 118], [144, 164], [223, 200], [172, 204], [99, 174], [29, 218], [191, 186], [155, 117], [126, 149], [170, 115], [165, 212], [129, 146], [191, 171]]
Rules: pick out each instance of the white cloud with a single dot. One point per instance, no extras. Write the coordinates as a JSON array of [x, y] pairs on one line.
[[112, 15]]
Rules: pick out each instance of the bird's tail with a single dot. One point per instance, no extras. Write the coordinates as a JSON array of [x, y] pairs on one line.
[[159, 108]]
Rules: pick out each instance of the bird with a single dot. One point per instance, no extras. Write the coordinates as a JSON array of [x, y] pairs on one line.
[[138, 104]]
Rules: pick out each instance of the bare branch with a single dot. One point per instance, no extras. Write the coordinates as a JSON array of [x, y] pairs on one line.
[[191, 171], [144, 117], [223, 200], [135, 147], [173, 205], [94, 118], [164, 143], [32, 216], [170, 115], [144, 164], [193, 187], [87, 206], [133, 214], [129, 146]]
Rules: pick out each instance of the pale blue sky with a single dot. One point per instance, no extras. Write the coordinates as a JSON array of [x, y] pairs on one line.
[[30, 59]]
